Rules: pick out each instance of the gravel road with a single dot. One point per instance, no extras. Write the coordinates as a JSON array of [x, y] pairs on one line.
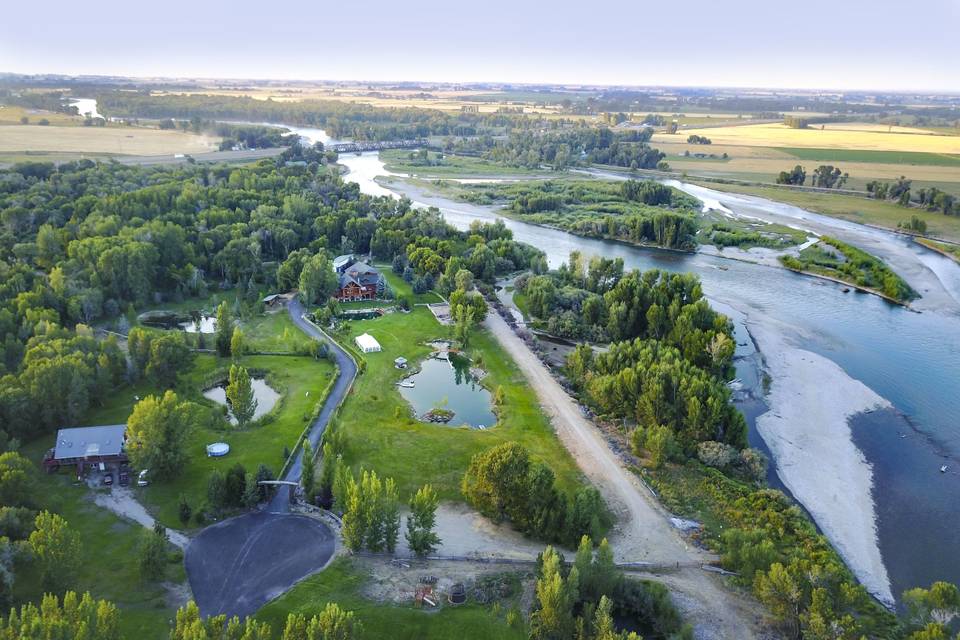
[[643, 532]]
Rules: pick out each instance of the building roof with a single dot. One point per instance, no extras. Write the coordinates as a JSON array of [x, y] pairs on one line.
[[361, 274], [83, 442], [270, 298], [343, 260], [367, 341]]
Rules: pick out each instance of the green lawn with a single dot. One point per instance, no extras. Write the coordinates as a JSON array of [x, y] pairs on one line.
[[295, 376], [863, 155], [863, 210], [380, 435], [403, 288], [109, 567], [275, 333], [342, 582]]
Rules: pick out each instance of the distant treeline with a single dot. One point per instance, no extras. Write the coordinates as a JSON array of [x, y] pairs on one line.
[[568, 147], [338, 119]]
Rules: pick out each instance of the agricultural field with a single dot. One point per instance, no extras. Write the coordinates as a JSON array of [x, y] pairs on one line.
[[441, 99], [780, 135], [758, 153], [102, 140], [11, 114]]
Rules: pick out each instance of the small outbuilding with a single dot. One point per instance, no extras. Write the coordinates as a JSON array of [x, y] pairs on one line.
[[367, 343], [400, 362]]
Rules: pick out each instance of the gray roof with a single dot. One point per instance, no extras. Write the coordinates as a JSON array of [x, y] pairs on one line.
[[340, 261], [82, 442], [360, 273]]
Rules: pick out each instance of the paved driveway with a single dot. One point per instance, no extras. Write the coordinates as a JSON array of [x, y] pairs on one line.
[[240, 564]]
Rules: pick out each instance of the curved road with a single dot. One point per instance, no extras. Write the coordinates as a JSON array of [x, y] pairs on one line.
[[240, 564]]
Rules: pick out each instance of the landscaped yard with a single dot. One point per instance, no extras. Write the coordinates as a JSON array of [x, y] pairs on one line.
[[343, 582], [381, 434], [303, 382], [109, 566]]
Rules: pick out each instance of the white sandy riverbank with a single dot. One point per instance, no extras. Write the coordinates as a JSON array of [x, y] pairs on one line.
[[811, 400]]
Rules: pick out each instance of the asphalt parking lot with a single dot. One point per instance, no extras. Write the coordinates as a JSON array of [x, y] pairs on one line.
[[240, 564]]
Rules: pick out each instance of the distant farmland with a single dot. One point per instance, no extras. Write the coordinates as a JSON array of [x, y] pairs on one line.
[[782, 136], [102, 140], [884, 157]]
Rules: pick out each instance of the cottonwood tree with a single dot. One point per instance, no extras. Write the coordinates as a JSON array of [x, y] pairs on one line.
[[556, 597], [318, 281], [333, 623], [243, 404], [224, 329], [152, 558], [76, 618], [237, 344], [156, 434], [421, 537], [57, 549]]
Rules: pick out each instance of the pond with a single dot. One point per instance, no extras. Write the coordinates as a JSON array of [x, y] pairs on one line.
[[266, 397], [206, 324], [449, 385]]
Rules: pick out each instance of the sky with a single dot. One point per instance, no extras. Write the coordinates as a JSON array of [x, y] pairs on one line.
[[835, 44]]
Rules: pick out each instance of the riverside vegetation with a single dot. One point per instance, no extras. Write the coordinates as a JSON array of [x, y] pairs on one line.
[[87, 244]]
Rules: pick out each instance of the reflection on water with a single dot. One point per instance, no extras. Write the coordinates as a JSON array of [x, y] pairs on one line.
[[266, 397], [450, 385], [206, 324], [911, 359]]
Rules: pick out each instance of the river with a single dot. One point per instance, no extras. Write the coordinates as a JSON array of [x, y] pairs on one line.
[[909, 359]]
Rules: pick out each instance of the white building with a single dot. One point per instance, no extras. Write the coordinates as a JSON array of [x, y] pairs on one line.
[[367, 343]]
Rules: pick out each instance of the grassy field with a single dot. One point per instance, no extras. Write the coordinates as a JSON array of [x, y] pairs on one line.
[[381, 435], [109, 553], [883, 157], [780, 135], [102, 140], [343, 582], [762, 163], [11, 114], [863, 210], [294, 376]]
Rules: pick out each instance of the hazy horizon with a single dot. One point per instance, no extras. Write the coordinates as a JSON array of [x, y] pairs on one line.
[[747, 44]]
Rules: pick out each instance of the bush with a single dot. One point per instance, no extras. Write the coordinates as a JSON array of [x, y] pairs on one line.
[[716, 454]]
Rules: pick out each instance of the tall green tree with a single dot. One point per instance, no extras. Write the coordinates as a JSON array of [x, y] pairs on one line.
[[224, 329], [556, 597], [309, 466], [152, 554], [243, 404], [421, 537], [76, 618], [157, 431], [318, 281], [57, 549], [169, 357]]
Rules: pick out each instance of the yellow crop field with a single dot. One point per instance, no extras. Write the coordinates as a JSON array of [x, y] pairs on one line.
[[780, 135], [10, 114], [102, 140]]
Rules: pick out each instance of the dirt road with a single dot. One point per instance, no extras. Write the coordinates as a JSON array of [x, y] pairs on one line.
[[642, 532]]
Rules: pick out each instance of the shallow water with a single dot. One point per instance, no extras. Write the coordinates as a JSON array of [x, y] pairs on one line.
[[449, 385], [911, 359], [266, 396]]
